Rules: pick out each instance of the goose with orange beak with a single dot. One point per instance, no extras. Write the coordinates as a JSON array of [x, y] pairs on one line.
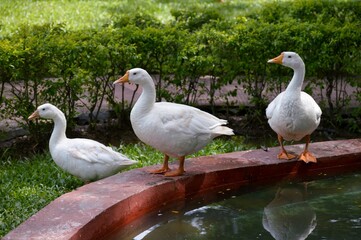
[[293, 114], [84, 158], [174, 129]]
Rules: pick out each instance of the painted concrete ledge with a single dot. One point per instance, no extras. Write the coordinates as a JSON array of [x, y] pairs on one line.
[[94, 210]]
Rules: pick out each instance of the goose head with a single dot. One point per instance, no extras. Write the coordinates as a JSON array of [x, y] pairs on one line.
[[288, 59], [135, 75], [46, 111]]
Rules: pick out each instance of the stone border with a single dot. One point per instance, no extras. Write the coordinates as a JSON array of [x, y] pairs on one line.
[[97, 209]]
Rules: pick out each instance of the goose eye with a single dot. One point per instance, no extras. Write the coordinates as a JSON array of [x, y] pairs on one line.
[[43, 109], [289, 56], [135, 73]]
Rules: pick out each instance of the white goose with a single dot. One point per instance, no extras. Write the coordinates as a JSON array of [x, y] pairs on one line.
[[84, 158], [293, 114], [174, 129]]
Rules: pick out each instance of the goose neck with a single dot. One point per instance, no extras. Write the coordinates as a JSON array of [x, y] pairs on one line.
[[58, 133], [297, 80], [146, 99]]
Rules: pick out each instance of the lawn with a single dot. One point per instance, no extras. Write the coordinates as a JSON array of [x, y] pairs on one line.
[[80, 14], [27, 185]]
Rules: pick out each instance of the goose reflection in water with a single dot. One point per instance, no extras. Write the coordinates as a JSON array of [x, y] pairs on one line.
[[289, 216], [200, 223]]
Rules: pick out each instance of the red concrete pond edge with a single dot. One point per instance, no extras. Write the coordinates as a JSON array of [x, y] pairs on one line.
[[94, 210]]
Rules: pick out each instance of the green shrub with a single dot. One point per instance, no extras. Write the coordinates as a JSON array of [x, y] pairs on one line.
[[193, 18], [54, 63]]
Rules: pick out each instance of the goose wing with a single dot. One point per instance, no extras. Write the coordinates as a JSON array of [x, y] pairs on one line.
[[95, 152]]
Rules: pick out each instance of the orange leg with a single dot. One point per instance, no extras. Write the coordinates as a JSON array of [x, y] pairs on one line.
[[164, 168], [180, 169], [307, 156], [283, 154]]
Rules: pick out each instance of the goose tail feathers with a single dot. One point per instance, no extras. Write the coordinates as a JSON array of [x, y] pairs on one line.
[[128, 162], [222, 130]]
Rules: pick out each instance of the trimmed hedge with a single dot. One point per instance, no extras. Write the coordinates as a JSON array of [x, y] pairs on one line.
[[64, 67]]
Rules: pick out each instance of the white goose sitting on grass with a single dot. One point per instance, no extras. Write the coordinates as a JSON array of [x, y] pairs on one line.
[[293, 114], [84, 158], [174, 129]]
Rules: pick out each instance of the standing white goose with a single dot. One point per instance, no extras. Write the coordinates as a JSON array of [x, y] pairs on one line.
[[174, 129], [293, 114], [84, 158]]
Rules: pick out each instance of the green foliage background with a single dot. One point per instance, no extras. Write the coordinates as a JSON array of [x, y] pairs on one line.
[[69, 52]]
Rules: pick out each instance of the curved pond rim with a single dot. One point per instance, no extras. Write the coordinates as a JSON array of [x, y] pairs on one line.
[[127, 200]]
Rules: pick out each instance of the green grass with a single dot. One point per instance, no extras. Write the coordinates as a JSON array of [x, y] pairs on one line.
[[29, 184], [83, 14], [74, 14]]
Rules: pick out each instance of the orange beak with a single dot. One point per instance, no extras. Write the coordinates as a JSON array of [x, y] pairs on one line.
[[276, 59], [123, 79], [34, 115]]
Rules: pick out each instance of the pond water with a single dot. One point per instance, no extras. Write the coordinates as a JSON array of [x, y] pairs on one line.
[[322, 209]]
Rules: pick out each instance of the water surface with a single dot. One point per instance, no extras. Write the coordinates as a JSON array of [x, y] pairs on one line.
[[322, 209]]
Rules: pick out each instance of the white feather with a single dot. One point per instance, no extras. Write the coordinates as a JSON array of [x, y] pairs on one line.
[[293, 114], [174, 129], [84, 158]]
